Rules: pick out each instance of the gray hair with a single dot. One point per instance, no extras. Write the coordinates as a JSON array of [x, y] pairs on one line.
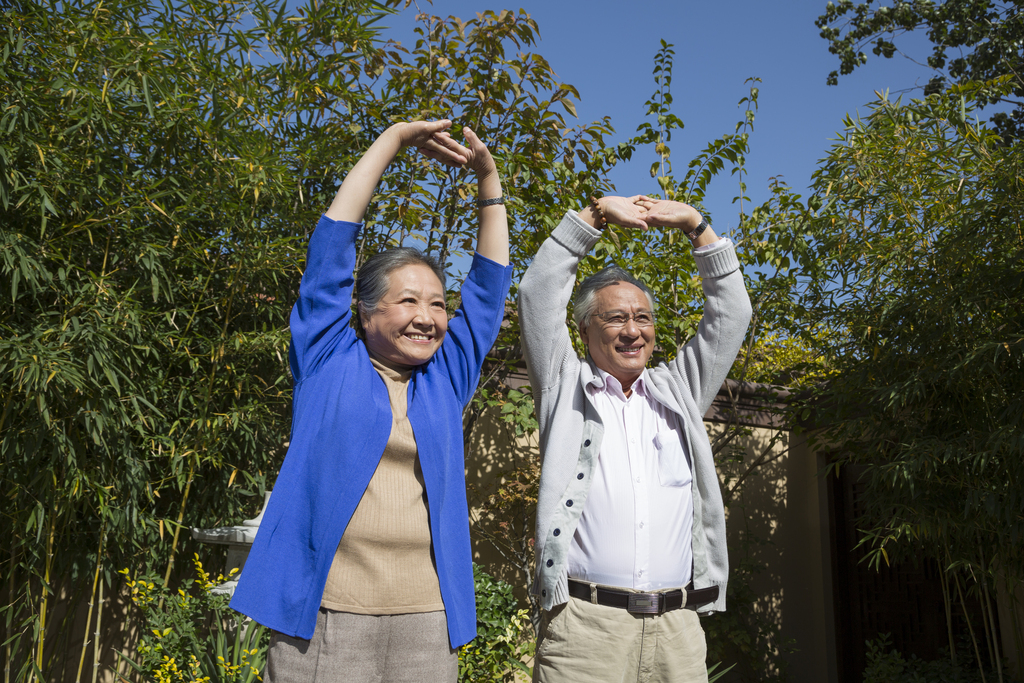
[[374, 277], [586, 296]]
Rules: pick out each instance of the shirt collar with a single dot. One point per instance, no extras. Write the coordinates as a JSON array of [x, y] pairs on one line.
[[602, 382]]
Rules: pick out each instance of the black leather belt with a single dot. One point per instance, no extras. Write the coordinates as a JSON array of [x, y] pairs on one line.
[[644, 603]]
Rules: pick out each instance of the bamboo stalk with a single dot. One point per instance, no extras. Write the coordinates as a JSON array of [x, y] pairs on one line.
[[947, 603], [7, 636], [96, 637], [990, 624], [92, 602], [177, 529], [45, 596], [970, 629]]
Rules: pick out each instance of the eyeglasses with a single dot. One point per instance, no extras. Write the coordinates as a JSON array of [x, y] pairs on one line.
[[620, 318]]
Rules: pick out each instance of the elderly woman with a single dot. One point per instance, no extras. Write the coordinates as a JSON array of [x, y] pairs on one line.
[[362, 564]]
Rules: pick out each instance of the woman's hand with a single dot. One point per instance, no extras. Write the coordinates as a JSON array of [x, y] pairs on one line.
[[665, 213], [432, 139]]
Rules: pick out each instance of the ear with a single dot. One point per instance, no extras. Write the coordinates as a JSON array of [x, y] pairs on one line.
[[583, 335], [363, 315]]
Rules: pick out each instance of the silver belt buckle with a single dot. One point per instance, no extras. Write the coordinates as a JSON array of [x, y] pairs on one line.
[[644, 603]]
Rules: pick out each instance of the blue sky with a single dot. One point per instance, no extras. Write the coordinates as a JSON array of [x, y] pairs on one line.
[[606, 49]]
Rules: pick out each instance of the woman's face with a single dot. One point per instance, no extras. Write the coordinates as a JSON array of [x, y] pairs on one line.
[[410, 322]]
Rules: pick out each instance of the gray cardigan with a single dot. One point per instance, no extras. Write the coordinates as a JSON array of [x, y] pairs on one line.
[[570, 429]]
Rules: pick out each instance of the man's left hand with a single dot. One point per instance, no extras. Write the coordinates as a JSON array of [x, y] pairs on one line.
[[665, 213]]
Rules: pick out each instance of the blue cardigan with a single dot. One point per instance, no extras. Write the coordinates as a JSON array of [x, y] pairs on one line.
[[341, 421]]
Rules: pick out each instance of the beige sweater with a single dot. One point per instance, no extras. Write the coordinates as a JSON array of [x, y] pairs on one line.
[[384, 563]]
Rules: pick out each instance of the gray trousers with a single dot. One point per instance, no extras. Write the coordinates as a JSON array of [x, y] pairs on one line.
[[359, 648]]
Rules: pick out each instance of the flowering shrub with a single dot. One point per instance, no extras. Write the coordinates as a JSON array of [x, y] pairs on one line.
[[193, 636]]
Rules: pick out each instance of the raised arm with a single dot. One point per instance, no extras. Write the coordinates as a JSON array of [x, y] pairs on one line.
[[546, 288], [704, 361], [492, 238], [357, 189]]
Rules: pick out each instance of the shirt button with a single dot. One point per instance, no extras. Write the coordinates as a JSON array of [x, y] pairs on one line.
[[568, 503], [639, 573], [641, 525], [550, 562], [579, 476], [638, 480], [557, 531]]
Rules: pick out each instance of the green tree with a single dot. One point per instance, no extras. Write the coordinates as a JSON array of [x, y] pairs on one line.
[[984, 38], [919, 244]]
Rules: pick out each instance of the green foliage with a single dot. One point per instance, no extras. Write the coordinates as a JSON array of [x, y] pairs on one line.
[[886, 665], [504, 634], [984, 38], [919, 245], [193, 636]]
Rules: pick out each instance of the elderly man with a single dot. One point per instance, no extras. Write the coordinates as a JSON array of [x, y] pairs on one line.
[[630, 540]]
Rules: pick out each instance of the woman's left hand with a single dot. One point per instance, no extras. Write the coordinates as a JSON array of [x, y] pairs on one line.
[[477, 156]]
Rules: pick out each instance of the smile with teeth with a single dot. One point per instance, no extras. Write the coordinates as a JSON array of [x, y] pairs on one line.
[[629, 350], [414, 336]]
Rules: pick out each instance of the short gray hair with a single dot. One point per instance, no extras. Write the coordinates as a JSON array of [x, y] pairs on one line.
[[586, 296], [374, 277]]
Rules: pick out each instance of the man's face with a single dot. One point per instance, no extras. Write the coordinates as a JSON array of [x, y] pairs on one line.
[[621, 351]]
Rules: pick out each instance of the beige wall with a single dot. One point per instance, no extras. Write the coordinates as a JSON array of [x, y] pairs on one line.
[[777, 518]]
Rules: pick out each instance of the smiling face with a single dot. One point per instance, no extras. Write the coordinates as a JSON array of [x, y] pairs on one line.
[[410, 322], [623, 351]]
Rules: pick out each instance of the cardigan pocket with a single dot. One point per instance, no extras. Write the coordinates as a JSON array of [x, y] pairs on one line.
[[673, 469]]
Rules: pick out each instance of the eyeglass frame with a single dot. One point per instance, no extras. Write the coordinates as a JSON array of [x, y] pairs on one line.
[[628, 317]]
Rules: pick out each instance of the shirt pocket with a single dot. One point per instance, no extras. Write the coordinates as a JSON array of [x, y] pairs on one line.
[[673, 468]]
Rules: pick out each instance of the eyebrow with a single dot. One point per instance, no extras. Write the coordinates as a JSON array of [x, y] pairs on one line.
[[417, 293]]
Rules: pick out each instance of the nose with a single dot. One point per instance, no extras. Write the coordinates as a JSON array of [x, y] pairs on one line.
[[630, 329], [423, 316]]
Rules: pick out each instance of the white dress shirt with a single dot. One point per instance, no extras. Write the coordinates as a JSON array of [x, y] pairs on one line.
[[635, 531]]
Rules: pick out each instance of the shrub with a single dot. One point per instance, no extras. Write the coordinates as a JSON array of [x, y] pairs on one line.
[[192, 636], [504, 634]]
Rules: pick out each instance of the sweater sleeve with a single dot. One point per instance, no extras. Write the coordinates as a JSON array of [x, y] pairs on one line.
[[704, 361], [320, 318], [475, 325], [544, 295]]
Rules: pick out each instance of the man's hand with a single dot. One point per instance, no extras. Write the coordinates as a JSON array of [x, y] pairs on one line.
[[624, 211], [665, 213]]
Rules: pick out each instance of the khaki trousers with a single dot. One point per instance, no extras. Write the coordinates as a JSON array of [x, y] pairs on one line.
[[581, 641], [359, 648]]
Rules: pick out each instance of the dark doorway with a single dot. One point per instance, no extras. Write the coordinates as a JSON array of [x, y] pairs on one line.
[[903, 599]]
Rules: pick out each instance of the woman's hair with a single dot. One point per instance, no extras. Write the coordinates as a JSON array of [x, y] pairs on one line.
[[586, 296], [374, 277]]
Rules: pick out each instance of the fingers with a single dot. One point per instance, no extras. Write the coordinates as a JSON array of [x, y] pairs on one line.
[[472, 139], [441, 147]]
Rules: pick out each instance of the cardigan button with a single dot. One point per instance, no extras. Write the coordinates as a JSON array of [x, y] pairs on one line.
[[579, 476], [568, 503], [586, 443], [557, 531], [550, 562], [544, 593]]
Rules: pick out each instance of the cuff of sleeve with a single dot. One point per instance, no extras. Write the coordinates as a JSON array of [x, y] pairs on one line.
[[324, 220], [718, 261], [575, 235]]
